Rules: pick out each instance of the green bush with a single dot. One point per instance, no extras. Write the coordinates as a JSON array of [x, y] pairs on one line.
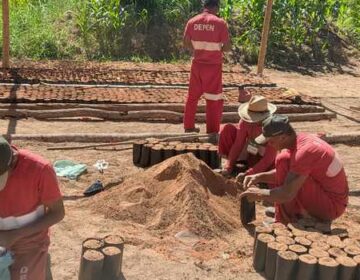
[[301, 30]]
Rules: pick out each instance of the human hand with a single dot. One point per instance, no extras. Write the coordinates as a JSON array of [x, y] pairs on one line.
[[250, 180], [226, 173], [240, 178], [254, 194]]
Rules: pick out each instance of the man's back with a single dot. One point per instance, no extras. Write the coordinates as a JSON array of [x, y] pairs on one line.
[[207, 33], [315, 158]]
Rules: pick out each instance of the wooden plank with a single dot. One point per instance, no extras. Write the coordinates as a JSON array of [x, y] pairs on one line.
[[264, 37], [145, 115], [6, 34]]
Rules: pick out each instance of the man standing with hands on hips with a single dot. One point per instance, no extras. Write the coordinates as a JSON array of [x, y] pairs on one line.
[[207, 36]]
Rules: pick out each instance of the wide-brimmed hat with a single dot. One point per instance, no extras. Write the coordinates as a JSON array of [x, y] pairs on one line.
[[256, 110], [6, 157]]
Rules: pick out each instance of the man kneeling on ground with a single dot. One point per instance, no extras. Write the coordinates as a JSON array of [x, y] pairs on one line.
[[236, 142], [30, 202], [310, 178]]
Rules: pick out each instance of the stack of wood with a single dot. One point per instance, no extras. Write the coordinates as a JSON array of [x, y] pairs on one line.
[[101, 258], [306, 250], [153, 151]]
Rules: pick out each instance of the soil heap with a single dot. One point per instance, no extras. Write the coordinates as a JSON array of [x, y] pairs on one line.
[[179, 193]]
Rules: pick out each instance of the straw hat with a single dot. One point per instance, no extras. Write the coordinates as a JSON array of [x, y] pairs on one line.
[[256, 110]]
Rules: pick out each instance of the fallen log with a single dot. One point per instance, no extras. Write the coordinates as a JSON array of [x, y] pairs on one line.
[[110, 138], [175, 107], [100, 137], [187, 136], [233, 117], [144, 116]]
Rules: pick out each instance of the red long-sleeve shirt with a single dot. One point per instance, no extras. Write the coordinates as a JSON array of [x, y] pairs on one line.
[[245, 132]]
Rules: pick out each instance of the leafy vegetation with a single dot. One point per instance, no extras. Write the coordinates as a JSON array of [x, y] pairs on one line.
[[302, 30]]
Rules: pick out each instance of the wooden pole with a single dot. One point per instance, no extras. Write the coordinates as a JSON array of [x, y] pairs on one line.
[[6, 34], [264, 37]]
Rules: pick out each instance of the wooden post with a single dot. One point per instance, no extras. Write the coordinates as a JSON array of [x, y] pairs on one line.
[[264, 38], [6, 34]]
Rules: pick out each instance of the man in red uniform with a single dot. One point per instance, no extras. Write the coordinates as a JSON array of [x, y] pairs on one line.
[[236, 142], [310, 177], [30, 202], [207, 36]]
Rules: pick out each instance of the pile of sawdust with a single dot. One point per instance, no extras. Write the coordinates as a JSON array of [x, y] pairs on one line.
[[179, 193]]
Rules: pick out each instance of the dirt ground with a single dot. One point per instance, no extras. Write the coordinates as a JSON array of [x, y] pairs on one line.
[[188, 258]]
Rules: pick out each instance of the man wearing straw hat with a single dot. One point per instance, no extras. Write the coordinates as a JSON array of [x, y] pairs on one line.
[[30, 202], [207, 36], [310, 177], [236, 142]]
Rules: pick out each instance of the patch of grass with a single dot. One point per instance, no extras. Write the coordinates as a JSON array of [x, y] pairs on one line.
[[43, 29]]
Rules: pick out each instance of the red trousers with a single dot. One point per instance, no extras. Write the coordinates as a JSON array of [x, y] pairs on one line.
[[205, 79], [311, 199]]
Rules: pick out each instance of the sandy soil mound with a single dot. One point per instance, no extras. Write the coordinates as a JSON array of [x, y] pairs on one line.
[[177, 194]]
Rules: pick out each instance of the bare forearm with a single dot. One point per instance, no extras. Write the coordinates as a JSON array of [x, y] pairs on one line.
[[267, 177], [43, 223], [54, 214]]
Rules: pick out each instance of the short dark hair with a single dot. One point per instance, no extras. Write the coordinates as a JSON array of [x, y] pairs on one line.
[[211, 3]]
